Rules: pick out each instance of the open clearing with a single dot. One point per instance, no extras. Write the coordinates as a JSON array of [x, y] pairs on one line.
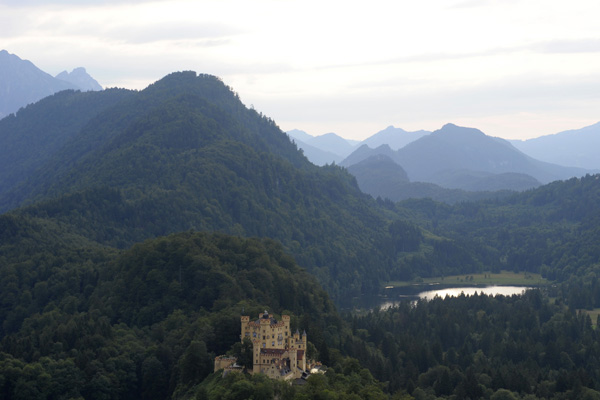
[[484, 278]]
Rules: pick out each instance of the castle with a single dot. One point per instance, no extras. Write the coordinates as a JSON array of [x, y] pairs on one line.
[[276, 352]]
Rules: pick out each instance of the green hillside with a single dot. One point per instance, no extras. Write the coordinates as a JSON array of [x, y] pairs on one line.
[[184, 154], [140, 323], [553, 230], [130, 248], [37, 132]]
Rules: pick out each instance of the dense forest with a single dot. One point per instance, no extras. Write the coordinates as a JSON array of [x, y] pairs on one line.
[[553, 230], [143, 323], [186, 154], [138, 226]]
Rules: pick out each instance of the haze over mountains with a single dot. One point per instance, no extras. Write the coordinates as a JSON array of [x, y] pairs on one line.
[[330, 147], [122, 166], [577, 147], [108, 290], [456, 158], [22, 83]]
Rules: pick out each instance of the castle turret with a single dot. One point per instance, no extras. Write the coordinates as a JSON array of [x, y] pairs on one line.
[[244, 320], [275, 350]]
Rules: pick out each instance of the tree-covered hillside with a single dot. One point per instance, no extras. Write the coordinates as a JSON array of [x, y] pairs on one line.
[[153, 219], [553, 230], [141, 323], [37, 132], [185, 153]]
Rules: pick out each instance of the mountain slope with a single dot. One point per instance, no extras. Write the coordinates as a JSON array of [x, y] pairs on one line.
[[332, 143], [465, 158], [186, 154], [147, 320], [380, 176], [396, 138], [80, 78], [364, 152], [22, 83], [454, 148], [316, 155], [324, 149], [574, 148], [39, 131], [370, 173]]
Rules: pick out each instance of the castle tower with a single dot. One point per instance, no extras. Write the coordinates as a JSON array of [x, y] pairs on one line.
[[245, 320], [274, 349]]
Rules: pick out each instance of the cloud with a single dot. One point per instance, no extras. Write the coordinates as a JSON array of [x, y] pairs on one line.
[[32, 3], [213, 33], [588, 45]]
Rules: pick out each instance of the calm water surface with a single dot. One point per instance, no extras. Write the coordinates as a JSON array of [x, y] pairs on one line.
[[456, 291]]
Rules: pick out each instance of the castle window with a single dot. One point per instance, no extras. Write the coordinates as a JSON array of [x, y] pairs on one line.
[[273, 343], [264, 345], [253, 334]]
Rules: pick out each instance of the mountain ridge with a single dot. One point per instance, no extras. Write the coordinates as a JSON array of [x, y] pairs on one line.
[[456, 157], [574, 147], [185, 153], [80, 78], [22, 83]]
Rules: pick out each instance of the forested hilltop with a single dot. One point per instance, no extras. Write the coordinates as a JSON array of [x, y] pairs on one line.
[[144, 323], [185, 153], [141, 225]]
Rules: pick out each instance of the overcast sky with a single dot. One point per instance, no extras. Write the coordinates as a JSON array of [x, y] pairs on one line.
[[512, 68]]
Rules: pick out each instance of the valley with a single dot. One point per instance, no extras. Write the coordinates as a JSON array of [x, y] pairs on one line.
[[137, 226]]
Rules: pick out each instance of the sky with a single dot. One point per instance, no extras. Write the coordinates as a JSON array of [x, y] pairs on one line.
[[515, 69]]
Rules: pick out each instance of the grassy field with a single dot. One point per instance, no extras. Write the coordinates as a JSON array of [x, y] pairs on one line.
[[485, 278]]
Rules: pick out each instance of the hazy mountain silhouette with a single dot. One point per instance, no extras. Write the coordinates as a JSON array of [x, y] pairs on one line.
[[458, 149], [22, 83], [316, 155], [379, 176], [573, 148], [80, 78], [297, 134], [331, 147], [396, 138], [364, 152], [183, 154], [466, 158]]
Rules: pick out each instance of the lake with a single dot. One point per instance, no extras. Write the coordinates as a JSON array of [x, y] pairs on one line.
[[395, 295]]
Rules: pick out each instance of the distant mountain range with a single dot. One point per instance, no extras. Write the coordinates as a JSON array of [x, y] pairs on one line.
[[330, 147], [467, 160], [575, 148], [452, 157], [22, 83], [320, 150], [117, 167], [80, 78], [380, 176], [396, 138]]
